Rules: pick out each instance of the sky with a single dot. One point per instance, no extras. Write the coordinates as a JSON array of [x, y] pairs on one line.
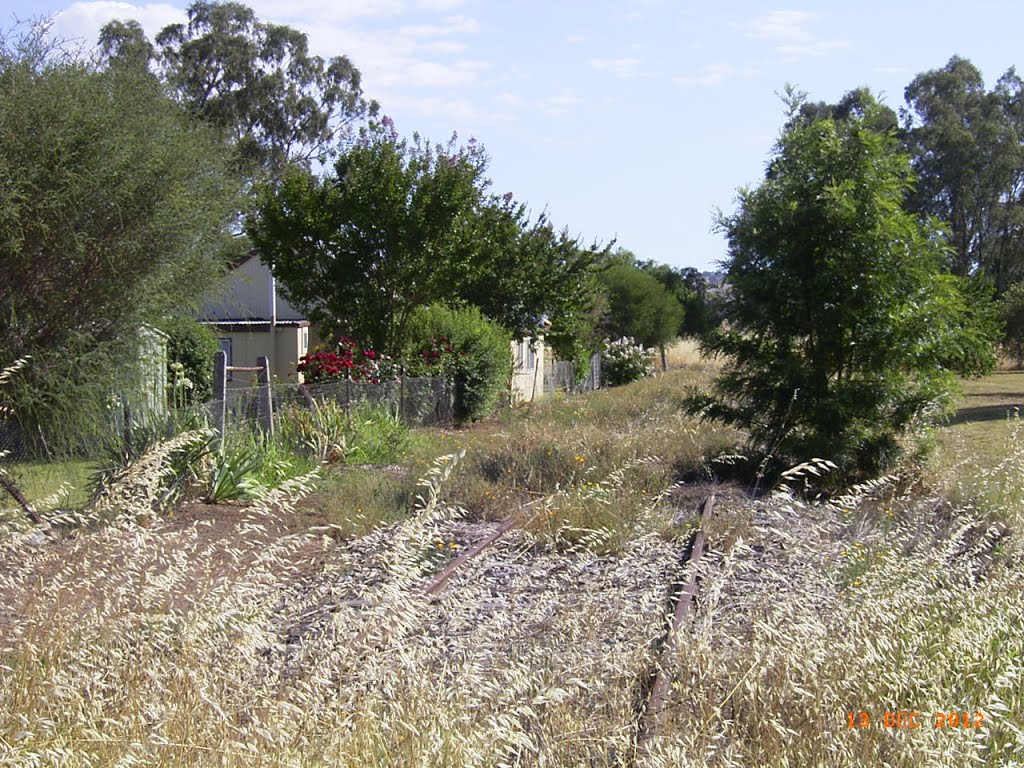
[[624, 120]]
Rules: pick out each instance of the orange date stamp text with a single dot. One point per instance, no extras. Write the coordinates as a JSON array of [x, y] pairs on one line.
[[912, 720]]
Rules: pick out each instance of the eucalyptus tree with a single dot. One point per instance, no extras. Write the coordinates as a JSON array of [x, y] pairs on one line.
[[967, 148], [257, 83]]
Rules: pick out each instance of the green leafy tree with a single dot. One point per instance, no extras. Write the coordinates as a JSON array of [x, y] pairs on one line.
[[113, 208], [400, 224], [858, 104], [1011, 311], [191, 345], [691, 290], [255, 82], [361, 248], [845, 326], [966, 148], [529, 276], [480, 354], [639, 305]]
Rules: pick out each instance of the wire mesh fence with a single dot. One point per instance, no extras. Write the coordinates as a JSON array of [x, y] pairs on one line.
[[416, 401]]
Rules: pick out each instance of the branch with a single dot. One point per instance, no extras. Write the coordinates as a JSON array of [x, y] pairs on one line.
[[8, 485]]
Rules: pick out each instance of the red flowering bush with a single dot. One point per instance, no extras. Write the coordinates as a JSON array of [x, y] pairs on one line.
[[349, 362], [436, 358]]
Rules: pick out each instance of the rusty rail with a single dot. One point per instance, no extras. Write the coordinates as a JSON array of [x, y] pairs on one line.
[[441, 579], [683, 594]]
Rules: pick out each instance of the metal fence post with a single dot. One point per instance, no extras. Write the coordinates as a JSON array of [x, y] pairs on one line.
[[265, 405], [401, 392], [348, 398], [220, 383]]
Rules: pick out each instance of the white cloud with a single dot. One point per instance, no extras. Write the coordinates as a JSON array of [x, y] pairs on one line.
[[453, 25], [779, 25], [509, 99], [620, 68], [324, 12], [790, 31], [427, 74], [460, 110], [812, 48], [83, 21], [438, 5], [560, 103], [715, 74], [575, 39]]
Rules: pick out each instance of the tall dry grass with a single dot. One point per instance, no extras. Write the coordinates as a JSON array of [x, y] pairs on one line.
[[233, 640]]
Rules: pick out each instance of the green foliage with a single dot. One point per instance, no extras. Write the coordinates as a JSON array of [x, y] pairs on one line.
[[525, 272], [400, 224], [966, 147], [362, 248], [376, 435], [113, 212], [690, 289], [1011, 310], [482, 355], [844, 326], [639, 305], [318, 432], [193, 345], [624, 361], [255, 82]]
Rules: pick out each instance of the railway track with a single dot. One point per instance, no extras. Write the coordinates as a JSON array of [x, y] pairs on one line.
[[651, 680], [682, 594]]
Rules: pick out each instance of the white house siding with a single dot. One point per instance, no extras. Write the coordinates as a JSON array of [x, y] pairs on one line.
[[528, 371]]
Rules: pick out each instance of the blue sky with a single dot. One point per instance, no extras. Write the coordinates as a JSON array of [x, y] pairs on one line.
[[626, 119]]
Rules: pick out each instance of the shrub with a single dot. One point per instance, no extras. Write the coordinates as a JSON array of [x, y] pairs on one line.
[[478, 349], [624, 361], [1011, 310], [349, 362], [190, 350]]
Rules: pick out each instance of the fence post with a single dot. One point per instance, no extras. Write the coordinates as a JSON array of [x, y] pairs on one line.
[[401, 392], [126, 417], [348, 398], [265, 405], [220, 383]]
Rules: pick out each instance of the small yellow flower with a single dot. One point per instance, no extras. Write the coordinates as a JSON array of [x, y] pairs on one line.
[[857, 544], [856, 583], [453, 545]]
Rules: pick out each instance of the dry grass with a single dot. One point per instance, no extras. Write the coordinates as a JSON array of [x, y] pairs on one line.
[[685, 353], [235, 637]]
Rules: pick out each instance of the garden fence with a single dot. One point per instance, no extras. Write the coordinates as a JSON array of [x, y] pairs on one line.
[[561, 376], [417, 401]]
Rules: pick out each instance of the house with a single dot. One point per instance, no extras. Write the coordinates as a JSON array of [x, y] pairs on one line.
[[536, 373], [252, 320], [528, 358]]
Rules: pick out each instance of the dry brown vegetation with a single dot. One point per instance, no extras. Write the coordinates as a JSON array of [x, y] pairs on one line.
[[266, 636]]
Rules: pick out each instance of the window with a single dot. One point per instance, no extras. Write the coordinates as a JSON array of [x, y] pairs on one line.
[[526, 357]]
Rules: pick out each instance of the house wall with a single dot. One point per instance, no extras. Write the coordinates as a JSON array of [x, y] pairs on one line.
[[284, 346], [250, 295], [528, 370]]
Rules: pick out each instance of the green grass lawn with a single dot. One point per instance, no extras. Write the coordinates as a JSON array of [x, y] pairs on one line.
[[39, 480], [984, 420], [980, 457]]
